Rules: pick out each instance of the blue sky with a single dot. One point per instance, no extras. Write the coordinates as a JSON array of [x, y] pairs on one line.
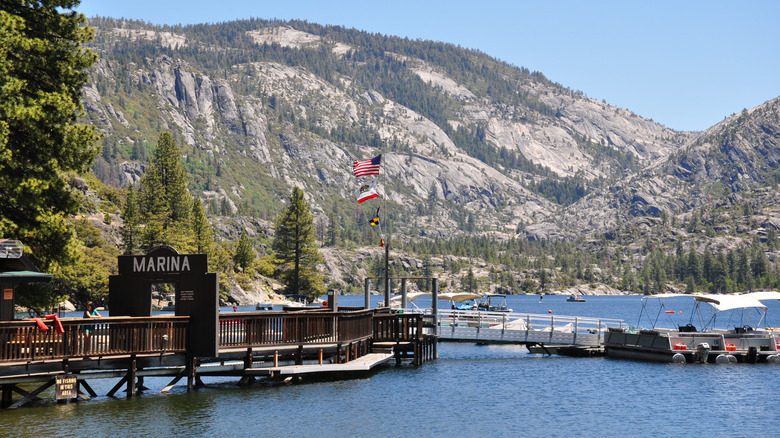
[[685, 64]]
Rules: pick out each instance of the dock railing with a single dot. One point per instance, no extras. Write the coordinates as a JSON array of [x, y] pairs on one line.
[[519, 327], [22, 341], [248, 329]]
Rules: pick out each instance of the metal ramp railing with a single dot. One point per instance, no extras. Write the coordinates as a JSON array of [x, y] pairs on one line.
[[519, 328]]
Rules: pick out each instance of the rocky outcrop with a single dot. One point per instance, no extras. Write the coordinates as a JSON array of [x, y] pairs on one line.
[[266, 123]]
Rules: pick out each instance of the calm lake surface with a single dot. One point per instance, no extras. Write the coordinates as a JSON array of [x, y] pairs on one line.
[[469, 391]]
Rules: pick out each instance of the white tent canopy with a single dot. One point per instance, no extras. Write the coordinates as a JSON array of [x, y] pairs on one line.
[[719, 302], [763, 295], [459, 296], [411, 296]]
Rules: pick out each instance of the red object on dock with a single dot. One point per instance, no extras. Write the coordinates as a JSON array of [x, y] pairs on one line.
[[57, 323], [731, 347], [680, 346]]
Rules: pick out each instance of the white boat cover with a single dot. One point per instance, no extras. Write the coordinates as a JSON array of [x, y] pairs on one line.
[[719, 302], [459, 296], [763, 295], [411, 296]]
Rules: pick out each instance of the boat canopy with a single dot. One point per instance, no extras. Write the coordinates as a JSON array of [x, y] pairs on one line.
[[411, 296], [719, 302], [763, 295], [459, 296]]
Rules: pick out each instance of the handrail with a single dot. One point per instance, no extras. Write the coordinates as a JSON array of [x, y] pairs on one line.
[[509, 320], [25, 341], [248, 329], [399, 327]]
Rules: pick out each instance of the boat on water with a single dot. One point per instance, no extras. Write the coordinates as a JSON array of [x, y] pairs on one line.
[[493, 303], [741, 341], [264, 305], [575, 299], [170, 307], [475, 301], [461, 300], [294, 301]]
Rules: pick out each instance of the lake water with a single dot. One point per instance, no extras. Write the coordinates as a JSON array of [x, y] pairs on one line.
[[469, 391]]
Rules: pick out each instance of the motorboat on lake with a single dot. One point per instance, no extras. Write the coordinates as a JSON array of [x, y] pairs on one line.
[[575, 299], [493, 303], [294, 301], [264, 305], [738, 339]]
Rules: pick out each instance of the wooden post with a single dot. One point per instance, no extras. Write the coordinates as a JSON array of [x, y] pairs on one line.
[[320, 356], [131, 377], [190, 373], [435, 311], [276, 359], [367, 291], [404, 294], [7, 395], [248, 358]]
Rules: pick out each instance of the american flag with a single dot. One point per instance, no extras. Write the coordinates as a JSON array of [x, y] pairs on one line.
[[368, 167]]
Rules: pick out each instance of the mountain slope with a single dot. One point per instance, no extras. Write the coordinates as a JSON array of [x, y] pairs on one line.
[[469, 143]]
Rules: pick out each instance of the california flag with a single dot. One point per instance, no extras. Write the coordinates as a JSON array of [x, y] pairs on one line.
[[367, 191]]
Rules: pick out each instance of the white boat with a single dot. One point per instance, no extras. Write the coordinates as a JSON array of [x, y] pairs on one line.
[[295, 301], [170, 307], [742, 341], [264, 305]]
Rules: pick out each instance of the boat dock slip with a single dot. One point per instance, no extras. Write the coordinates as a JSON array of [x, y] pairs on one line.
[[521, 328]]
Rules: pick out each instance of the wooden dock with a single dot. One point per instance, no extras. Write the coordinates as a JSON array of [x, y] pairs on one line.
[[251, 344], [363, 363]]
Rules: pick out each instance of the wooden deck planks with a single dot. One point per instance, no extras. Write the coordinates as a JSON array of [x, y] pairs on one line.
[[364, 363]]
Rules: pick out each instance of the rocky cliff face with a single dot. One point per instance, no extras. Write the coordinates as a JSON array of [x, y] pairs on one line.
[[737, 155], [260, 107]]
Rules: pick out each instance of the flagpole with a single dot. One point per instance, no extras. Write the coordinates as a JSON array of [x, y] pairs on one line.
[[387, 274]]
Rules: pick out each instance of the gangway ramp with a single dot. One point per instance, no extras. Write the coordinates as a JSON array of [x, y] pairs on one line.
[[521, 328]]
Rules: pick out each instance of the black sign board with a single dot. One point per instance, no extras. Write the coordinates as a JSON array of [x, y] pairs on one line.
[[66, 386], [197, 292]]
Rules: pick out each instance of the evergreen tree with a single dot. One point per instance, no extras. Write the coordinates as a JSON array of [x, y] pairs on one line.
[[469, 282], [130, 228], [201, 228], [166, 203], [245, 254], [694, 266], [296, 248], [334, 230], [42, 73]]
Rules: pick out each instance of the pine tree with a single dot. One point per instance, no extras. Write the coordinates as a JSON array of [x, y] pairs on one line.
[[245, 254], [166, 203], [43, 70], [296, 248], [201, 228], [130, 229]]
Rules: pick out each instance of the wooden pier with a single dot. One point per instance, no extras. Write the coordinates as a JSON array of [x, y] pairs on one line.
[[275, 345]]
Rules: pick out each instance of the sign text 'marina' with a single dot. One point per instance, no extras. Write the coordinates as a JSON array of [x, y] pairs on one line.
[[173, 263]]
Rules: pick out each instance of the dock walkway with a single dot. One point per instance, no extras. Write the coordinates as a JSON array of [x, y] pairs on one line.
[[520, 328]]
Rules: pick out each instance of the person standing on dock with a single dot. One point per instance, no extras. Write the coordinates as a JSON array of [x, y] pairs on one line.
[[89, 312]]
